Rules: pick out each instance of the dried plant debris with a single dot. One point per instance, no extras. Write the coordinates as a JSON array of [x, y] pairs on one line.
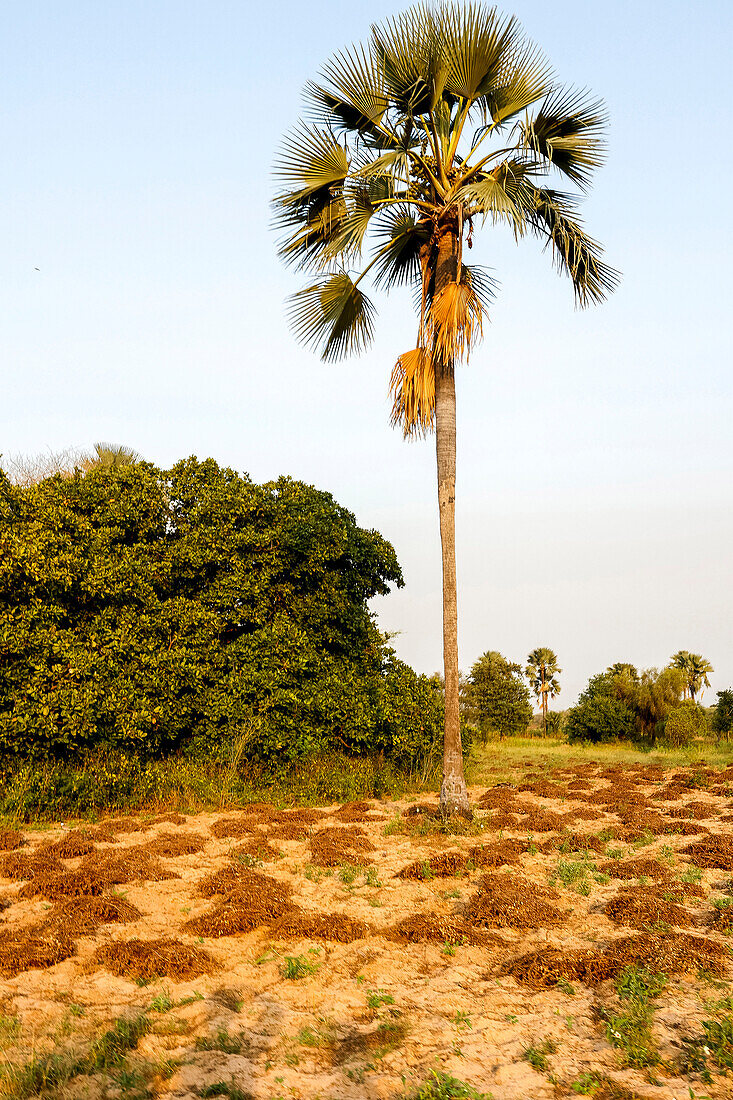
[[712, 851], [446, 865], [636, 868], [232, 827], [76, 843], [32, 949], [10, 839], [333, 846], [672, 953], [136, 864], [82, 916], [357, 811], [258, 848], [21, 866], [508, 901], [145, 960], [338, 927], [248, 901], [433, 928], [66, 884], [171, 845], [638, 907]]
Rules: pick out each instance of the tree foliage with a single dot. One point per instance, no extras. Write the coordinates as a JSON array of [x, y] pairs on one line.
[[600, 714], [496, 698], [723, 714], [625, 704], [685, 723], [158, 609]]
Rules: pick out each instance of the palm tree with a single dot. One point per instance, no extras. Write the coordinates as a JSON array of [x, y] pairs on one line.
[[695, 669], [109, 456], [445, 119], [542, 671]]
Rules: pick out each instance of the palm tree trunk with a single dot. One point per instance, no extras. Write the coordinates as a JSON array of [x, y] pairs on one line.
[[453, 792]]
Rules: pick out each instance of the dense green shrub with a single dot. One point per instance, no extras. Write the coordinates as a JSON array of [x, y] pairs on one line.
[[496, 698], [600, 715], [685, 723], [152, 611], [722, 722]]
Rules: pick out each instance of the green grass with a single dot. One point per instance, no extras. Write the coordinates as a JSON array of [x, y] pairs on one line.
[[296, 967], [222, 1040], [224, 1088], [630, 1029], [441, 1086], [714, 1047], [537, 1055]]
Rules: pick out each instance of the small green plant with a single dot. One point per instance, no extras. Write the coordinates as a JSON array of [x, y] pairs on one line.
[[537, 1055], [376, 998], [566, 987], [9, 1030], [714, 1046], [630, 1029], [162, 1003], [462, 1020], [348, 873], [587, 1084], [224, 1088], [441, 1086], [577, 874], [690, 874], [296, 967], [372, 878], [223, 1040]]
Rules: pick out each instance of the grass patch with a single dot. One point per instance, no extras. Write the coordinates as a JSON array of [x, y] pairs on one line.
[[630, 1030], [297, 967], [441, 1086], [713, 1047], [537, 1055]]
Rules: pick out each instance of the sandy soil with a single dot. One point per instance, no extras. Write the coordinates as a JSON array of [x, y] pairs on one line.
[[403, 941]]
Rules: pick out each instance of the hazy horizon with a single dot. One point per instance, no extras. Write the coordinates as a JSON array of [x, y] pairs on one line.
[[594, 466]]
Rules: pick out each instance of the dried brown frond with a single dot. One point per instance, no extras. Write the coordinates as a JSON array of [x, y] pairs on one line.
[[506, 901], [456, 315], [332, 846], [296, 924], [170, 845], [31, 949], [26, 865], [82, 916], [712, 851], [412, 387]]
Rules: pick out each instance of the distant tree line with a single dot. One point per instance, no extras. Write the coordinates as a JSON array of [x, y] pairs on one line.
[[154, 611]]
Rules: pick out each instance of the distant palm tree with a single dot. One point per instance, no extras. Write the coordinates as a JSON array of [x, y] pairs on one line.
[[410, 141], [695, 669], [542, 672], [108, 456]]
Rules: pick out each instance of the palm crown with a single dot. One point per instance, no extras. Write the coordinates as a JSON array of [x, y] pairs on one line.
[[447, 117]]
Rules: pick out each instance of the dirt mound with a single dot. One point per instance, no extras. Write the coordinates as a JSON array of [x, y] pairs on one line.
[[172, 818], [685, 828], [144, 960], [635, 868], [306, 815], [10, 839], [66, 884], [500, 820], [333, 846], [170, 845], [82, 916], [136, 864], [712, 851], [675, 953], [338, 927], [26, 865], [31, 949], [721, 920], [248, 901], [430, 928], [125, 825], [497, 798], [507, 901], [498, 853], [637, 908], [232, 827], [544, 788], [446, 865]]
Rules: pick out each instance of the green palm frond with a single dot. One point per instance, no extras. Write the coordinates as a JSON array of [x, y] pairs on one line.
[[310, 160], [576, 254], [352, 94], [348, 239], [567, 131], [502, 194], [407, 50], [332, 316], [403, 234], [525, 77], [309, 228], [476, 45]]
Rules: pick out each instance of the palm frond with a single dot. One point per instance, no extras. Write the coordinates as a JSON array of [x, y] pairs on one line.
[[413, 390], [332, 316], [403, 234], [456, 316], [408, 52], [525, 77], [310, 159], [394, 164], [575, 253], [351, 95], [476, 44], [567, 131], [501, 194], [309, 228]]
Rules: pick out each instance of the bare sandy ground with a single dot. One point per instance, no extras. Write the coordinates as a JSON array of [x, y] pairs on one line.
[[390, 949]]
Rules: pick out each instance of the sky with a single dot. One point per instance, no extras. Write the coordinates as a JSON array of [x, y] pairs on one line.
[[595, 456]]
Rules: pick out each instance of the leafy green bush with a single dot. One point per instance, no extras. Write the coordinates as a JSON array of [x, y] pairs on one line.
[[684, 724], [599, 714], [496, 698], [147, 611], [723, 714]]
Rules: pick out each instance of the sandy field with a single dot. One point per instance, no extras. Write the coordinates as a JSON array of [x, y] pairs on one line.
[[573, 940]]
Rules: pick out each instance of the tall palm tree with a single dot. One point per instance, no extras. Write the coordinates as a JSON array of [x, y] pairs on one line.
[[110, 456], [446, 119], [695, 669], [542, 672]]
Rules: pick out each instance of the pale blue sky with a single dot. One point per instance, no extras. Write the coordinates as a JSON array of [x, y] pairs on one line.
[[595, 457]]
